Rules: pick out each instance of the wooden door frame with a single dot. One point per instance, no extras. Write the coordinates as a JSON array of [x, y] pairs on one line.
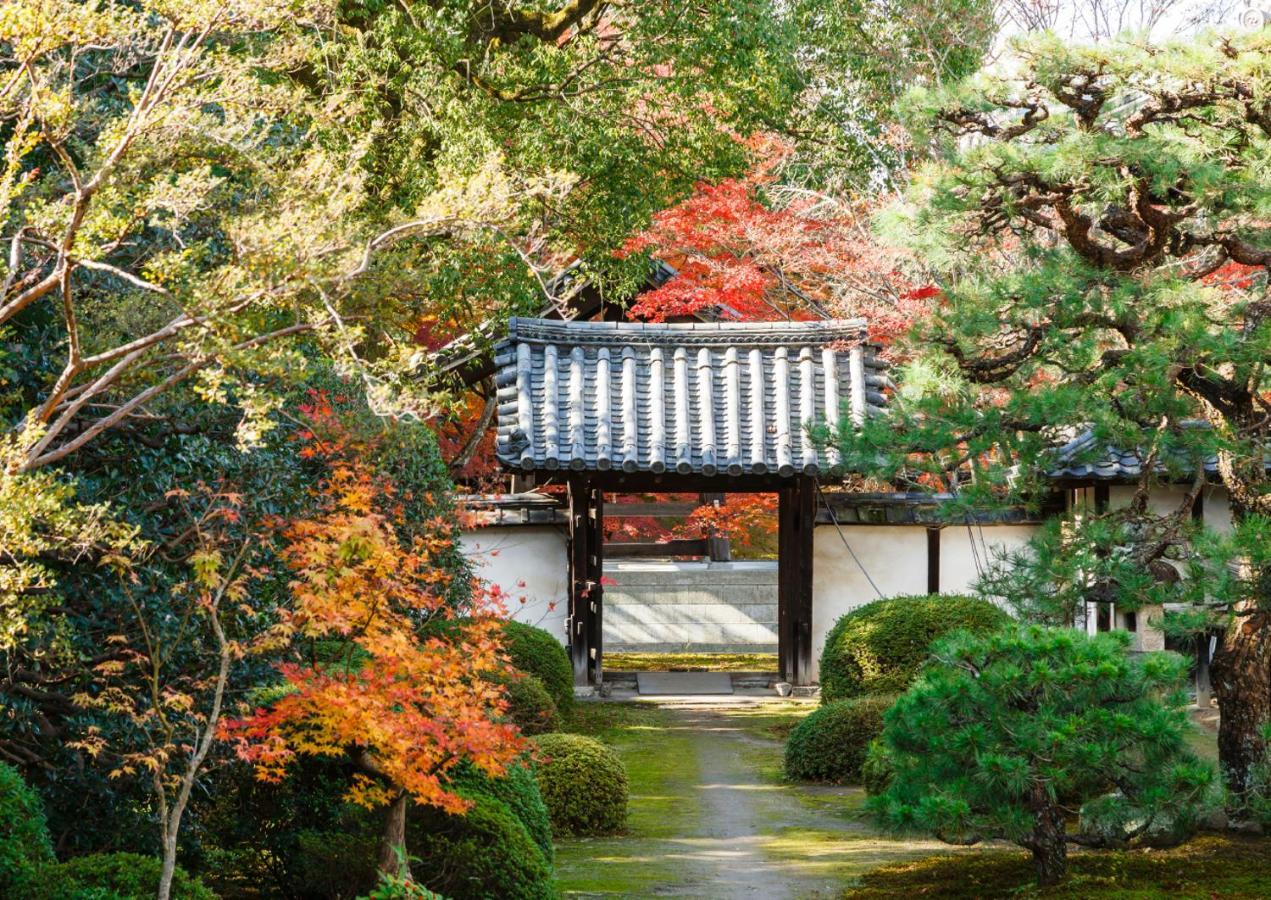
[[796, 517]]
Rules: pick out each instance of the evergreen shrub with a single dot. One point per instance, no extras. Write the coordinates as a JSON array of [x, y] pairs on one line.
[[583, 783], [530, 706], [879, 647], [534, 651], [24, 837], [518, 790], [114, 876], [483, 853], [830, 744], [1005, 734]]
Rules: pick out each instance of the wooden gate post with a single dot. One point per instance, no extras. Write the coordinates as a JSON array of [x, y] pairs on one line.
[[580, 619], [595, 580]]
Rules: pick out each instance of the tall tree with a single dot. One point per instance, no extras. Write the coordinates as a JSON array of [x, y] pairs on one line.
[[1100, 220]]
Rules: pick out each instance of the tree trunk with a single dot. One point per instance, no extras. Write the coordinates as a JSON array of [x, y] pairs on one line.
[[1241, 678], [169, 866], [393, 843], [1049, 846]]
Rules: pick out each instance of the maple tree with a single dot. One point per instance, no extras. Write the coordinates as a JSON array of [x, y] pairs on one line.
[[406, 707], [753, 248], [177, 713]]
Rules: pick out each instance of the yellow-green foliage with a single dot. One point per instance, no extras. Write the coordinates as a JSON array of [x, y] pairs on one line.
[[584, 784], [831, 744], [880, 646], [534, 651]]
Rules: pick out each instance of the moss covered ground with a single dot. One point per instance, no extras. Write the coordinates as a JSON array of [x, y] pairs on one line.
[[691, 662], [710, 814], [1211, 866]]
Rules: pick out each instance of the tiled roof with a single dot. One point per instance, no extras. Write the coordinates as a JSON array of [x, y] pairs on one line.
[[1083, 458], [727, 398]]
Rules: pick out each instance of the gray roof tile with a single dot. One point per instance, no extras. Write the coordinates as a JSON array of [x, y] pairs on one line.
[[728, 398]]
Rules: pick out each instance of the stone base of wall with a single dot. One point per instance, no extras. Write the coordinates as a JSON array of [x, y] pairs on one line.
[[667, 607]]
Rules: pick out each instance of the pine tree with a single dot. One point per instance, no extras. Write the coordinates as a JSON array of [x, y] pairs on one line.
[[1100, 225], [1014, 734]]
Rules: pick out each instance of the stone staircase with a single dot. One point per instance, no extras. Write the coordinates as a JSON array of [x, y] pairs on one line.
[[656, 606]]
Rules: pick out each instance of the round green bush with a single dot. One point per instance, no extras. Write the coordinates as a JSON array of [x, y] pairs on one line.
[[114, 876], [518, 790], [830, 744], [530, 706], [879, 647], [24, 835], [583, 783], [535, 652], [485, 852]]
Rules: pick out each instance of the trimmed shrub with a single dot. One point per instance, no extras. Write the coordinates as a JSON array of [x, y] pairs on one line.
[[878, 648], [583, 783], [24, 834], [114, 876], [534, 651], [831, 744], [486, 852], [334, 863], [518, 790], [530, 706]]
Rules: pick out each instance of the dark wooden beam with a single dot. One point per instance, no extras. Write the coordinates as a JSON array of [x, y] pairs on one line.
[[579, 619], [787, 583], [804, 525], [648, 549], [933, 560], [595, 579]]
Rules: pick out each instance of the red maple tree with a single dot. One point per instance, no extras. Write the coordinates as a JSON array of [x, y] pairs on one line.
[[752, 248], [404, 707]]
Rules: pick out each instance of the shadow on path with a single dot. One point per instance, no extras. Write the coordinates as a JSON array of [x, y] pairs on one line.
[[711, 817]]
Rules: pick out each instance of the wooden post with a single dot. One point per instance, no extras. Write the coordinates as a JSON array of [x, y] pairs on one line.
[[804, 523], [786, 583], [933, 560], [717, 548], [580, 618], [796, 514], [595, 574], [1204, 689]]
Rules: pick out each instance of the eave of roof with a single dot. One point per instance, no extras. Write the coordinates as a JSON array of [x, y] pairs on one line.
[[723, 397]]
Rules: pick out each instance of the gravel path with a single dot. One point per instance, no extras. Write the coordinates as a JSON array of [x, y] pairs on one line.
[[730, 827]]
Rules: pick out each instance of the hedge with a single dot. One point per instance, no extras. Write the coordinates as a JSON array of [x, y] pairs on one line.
[[114, 876], [583, 783], [24, 836], [879, 647], [530, 706], [534, 651], [518, 790], [485, 852], [831, 744]]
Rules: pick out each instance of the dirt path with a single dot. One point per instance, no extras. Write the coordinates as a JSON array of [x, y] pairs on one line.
[[711, 817]]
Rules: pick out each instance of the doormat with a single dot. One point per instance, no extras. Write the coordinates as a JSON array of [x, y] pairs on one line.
[[684, 682]]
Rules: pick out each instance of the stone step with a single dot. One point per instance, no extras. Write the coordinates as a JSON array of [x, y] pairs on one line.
[[680, 635], [691, 614]]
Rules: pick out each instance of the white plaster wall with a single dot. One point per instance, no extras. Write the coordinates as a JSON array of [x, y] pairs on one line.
[[894, 555], [1217, 509], [958, 556], [530, 564]]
